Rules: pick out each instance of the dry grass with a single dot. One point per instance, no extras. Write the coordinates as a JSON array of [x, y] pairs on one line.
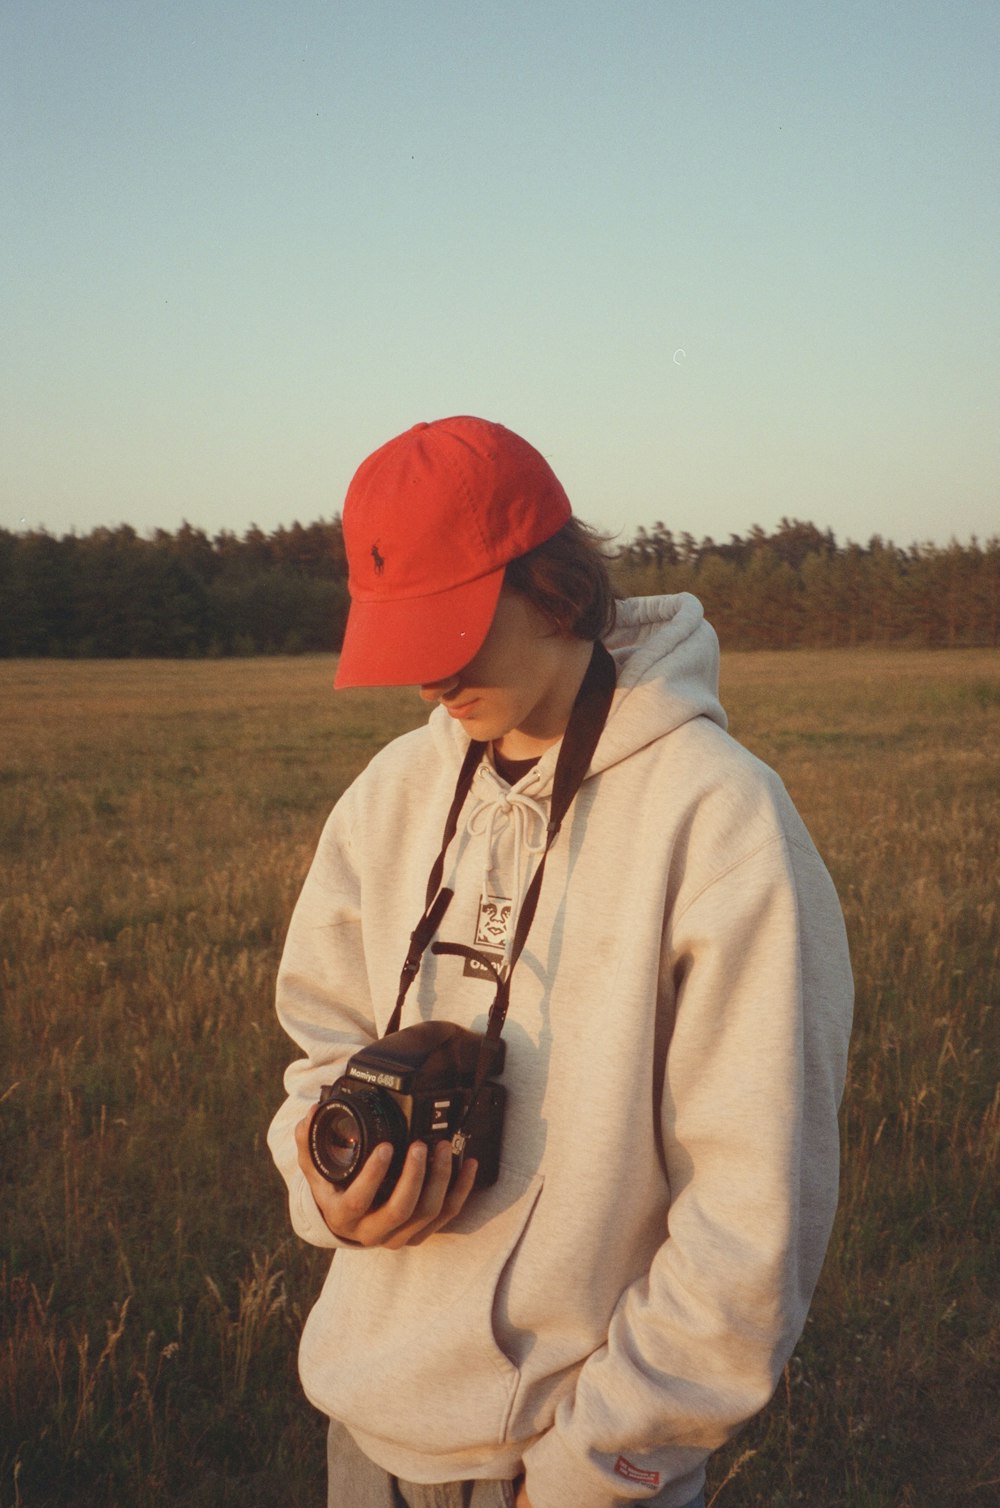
[[892, 758], [156, 820]]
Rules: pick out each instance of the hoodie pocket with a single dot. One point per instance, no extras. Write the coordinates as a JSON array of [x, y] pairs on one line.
[[401, 1343]]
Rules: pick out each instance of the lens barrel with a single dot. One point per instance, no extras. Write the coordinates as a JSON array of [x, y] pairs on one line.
[[348, 1126]]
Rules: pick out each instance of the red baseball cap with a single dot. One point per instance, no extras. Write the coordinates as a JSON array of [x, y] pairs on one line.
[[430, 521]]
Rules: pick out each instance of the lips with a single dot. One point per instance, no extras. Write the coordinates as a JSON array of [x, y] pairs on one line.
[[462, 710]]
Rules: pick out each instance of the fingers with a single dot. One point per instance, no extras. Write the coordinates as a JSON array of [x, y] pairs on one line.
[[343, 1210], [437, 1202], [454, 1201], [353, 1204], [411, 1214], [423, 1200]]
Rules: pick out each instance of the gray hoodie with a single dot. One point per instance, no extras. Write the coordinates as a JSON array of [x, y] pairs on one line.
[[628, 1292]]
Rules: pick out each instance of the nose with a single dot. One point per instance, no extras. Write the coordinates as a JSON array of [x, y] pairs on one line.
[[433, 691]]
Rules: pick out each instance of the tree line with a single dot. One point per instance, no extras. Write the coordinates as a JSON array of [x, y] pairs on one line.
[[798, 588], [115, 593]]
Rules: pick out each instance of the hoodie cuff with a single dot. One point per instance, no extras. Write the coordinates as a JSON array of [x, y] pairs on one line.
[[307, 1222], [557, 1475]]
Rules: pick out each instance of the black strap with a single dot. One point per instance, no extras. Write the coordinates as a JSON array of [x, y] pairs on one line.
[[436, 901], [470, 764], [590, 713], [583, 731]]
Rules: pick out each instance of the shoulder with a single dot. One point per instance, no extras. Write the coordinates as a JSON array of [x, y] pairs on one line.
[[408, 783], [720, 806], [701, 765], [415, 748]]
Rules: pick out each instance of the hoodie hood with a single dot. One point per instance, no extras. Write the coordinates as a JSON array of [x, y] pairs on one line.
[[667, 659]]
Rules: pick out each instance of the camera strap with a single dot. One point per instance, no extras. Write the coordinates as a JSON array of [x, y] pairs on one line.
[[579, 741], [586, 723], [437, 900]]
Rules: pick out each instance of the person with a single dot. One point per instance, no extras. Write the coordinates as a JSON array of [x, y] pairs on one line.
[[587, 1325]]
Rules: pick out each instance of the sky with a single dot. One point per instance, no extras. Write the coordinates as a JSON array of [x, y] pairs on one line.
[[722, 263]]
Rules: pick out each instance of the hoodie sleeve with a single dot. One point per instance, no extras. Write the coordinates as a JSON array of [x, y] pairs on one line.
[[323, 1003], [757, 972]]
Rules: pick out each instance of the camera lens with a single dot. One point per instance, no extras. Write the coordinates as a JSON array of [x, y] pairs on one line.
[[341, 1140], [347, 1128]]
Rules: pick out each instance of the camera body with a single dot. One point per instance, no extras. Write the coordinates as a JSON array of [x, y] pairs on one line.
[[412, 1085]]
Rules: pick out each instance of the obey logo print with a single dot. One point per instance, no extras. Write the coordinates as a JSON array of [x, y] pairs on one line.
[[494, 919], [477, 966], [491, 934]]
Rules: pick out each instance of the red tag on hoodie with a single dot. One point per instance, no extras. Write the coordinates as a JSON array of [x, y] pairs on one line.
[[636, 1474]]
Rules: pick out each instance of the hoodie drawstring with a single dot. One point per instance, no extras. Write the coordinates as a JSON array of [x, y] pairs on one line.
[[528, 820]]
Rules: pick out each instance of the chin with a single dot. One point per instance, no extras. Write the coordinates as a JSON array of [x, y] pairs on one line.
[[483, 733]]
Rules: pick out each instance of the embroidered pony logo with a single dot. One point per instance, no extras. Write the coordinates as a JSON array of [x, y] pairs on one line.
[[378, 559]]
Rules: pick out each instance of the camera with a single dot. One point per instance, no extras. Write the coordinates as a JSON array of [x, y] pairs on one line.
[[417, 1084]]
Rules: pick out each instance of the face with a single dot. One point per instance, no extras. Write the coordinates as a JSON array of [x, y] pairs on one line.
[[520, 688]]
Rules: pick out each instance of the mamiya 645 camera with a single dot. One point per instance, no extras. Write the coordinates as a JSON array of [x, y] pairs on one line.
[[412, 1085]]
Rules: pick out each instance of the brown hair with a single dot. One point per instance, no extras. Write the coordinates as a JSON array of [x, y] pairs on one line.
[[566, 577]]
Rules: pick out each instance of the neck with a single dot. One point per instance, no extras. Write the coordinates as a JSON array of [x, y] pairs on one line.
[[549, 723]]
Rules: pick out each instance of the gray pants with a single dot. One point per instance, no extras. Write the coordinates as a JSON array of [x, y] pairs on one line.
[[356, 1482]]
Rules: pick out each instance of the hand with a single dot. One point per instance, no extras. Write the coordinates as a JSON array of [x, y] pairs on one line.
[[420, 1204]]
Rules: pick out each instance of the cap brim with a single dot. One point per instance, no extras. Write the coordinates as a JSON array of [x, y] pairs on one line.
[[412, 641]]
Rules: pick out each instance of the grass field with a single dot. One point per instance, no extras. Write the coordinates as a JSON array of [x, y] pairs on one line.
[[156, 820]]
